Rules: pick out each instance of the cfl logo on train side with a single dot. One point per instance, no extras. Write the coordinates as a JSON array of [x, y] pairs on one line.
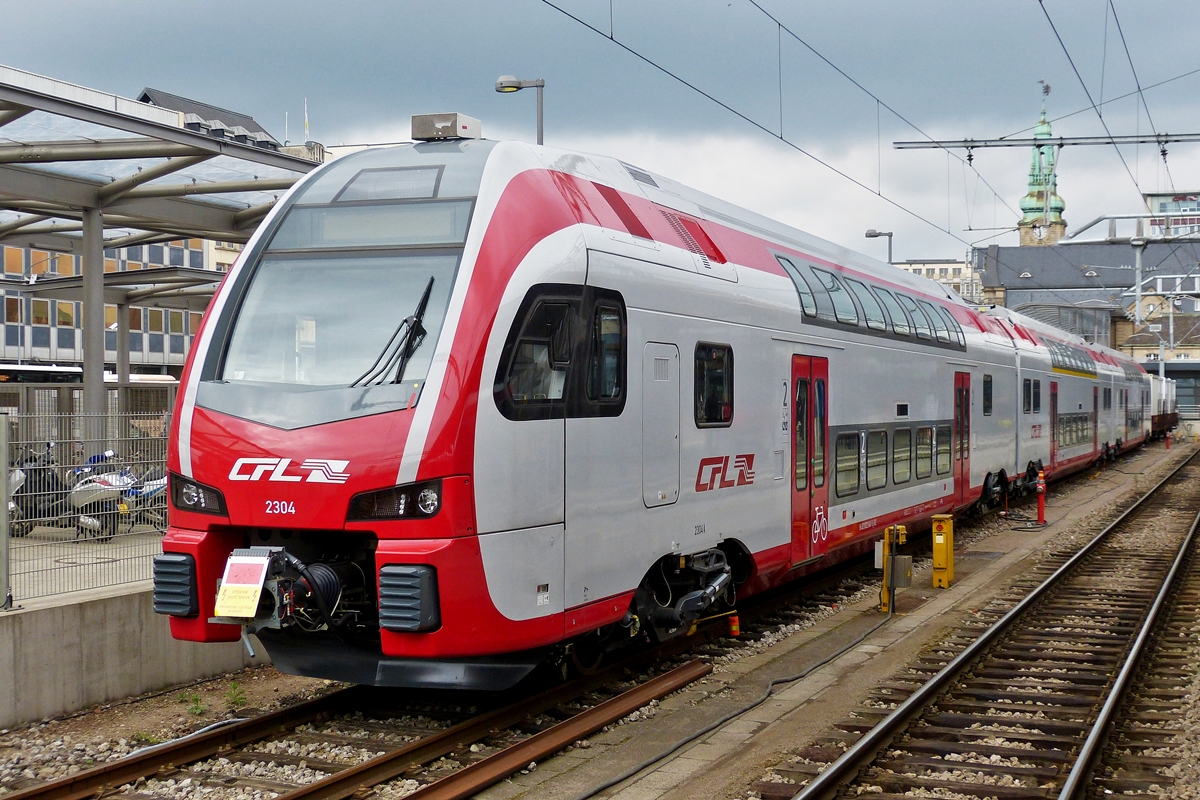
[[715, 472], [320, 470]]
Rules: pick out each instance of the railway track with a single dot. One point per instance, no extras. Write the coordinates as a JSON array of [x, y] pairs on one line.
[[1038, 706], [327, 747]]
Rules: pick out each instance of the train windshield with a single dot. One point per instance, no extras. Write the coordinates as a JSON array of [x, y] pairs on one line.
[[323, 320]]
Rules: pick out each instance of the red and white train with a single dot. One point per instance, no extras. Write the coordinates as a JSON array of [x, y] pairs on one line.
[[473, 404]]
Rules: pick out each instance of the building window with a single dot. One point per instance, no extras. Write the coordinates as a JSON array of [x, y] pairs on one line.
[[987, 395], [155, 254], [845, 455], [194, 323], [65, 317], [156, 321], [110, 317], [135, 319], [12, 309], [14, 261], [176, 256], [714, 385], [176, 321], [41, 312], [944, 272], [902, 455], [877, 459]]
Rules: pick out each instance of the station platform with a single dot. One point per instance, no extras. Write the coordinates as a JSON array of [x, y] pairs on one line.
[[66, 652]]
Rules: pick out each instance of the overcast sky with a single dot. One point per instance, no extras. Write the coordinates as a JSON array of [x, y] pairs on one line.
[[953, 69]]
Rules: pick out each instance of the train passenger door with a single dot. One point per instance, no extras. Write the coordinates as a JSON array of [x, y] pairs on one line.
[[1053, 422], [962, 432], [810, 435]]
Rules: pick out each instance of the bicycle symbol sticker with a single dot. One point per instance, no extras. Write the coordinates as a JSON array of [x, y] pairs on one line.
[[820, 526]]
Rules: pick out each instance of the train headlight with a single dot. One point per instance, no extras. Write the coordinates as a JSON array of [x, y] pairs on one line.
[[188, 495], [428, 500], [411, 501]]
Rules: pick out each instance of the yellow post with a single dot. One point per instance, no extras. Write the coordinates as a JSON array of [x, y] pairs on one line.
[[943, 550]]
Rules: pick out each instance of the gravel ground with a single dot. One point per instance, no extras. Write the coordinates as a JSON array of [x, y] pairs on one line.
[[56, 748], [1114, 489]]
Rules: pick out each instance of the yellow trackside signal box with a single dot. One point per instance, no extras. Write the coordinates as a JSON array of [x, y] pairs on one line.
[[943, 551]]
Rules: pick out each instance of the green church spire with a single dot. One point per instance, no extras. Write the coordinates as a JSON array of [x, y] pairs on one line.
[[1041, 209]]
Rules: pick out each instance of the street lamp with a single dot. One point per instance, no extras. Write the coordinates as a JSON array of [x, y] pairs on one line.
[[874, 234], [507, 84]]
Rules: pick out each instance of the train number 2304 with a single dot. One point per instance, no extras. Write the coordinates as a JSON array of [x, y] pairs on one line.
[[280, 507]]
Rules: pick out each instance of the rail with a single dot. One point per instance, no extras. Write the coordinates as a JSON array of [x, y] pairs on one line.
[[353, 780], [827, 783]]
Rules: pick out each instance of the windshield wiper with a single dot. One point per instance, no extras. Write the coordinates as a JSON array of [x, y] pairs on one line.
[[400, 346]]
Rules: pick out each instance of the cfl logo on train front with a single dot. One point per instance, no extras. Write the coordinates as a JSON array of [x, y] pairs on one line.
[[715, 472], [320, 470]]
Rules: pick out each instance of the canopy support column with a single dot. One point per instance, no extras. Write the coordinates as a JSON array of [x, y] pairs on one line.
[[95, 396]]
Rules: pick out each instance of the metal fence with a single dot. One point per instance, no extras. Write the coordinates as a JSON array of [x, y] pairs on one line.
[[86, 499]]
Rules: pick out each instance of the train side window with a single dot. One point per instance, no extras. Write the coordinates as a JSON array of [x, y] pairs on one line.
[[714, 385], [920, 322], [1037, 396], [1107, 398], [538, 369], [843, 305], [604, 371], [818, 462], [987, 395], [808, 303], [871, 309], [845, 455], [956, 331], [924, 452], [900, 325], [902, 455], [943, 449], [801, 441], [877, 459], [939, 325], [1026, 396]]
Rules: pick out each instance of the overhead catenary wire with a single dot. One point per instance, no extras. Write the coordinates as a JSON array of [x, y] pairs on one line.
[[764, 128]]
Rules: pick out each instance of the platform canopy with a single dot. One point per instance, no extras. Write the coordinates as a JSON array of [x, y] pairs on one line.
[[83, 170], [183, 288], [155, 174]]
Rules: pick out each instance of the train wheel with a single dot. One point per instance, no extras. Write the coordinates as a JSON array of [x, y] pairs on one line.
[[587, 653]]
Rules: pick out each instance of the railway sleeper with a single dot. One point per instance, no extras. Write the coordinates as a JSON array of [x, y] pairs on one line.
[[1121, 785], [928, 765], [1042, 739], [1031, 698], [1070, 714], [257, 757], [982, 790]]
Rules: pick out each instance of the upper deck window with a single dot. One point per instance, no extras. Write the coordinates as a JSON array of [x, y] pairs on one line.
[[843, 306], [871, 308], [392, 183], [371, 224]]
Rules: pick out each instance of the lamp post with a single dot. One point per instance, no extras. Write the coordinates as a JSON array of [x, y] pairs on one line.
[[874, 234], [506, 84]]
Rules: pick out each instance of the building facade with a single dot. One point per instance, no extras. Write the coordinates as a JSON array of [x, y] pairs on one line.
[[39, 331]]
